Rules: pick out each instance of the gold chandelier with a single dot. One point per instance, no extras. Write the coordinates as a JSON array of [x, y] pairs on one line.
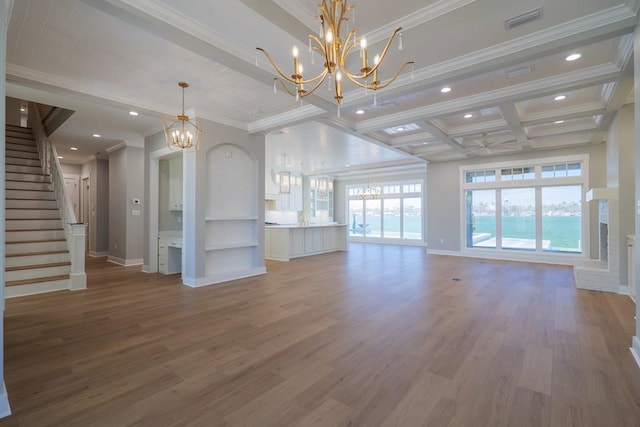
[[179, 131], [334, 50]]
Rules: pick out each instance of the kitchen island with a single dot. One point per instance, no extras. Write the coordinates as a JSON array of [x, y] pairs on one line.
[[284, 242]]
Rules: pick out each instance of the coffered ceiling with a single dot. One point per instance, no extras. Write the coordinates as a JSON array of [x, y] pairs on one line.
[[103, 58]]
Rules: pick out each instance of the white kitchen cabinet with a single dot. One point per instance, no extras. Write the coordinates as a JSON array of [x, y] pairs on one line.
[[175, 183], [285, 242], [320, 199], [170, 255]]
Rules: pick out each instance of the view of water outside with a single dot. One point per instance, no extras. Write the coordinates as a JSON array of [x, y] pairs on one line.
[[561, 218], [386, 222]]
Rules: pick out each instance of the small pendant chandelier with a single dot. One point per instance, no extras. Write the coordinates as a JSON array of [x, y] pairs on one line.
[[368, 192], [180, 132]]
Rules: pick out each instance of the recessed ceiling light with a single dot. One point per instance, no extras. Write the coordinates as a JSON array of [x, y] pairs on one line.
[[346, 166], [359, 111], [133, 113], [73, 148], [560, 97], [445, 89], [96, 135], [468, 116], [400, 128], [573, 57], [425, 143], [558, 122], [60, 157]]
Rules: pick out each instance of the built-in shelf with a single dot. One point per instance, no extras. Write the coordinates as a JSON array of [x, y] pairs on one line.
[[249, 218], [230, 246], [231, 229]]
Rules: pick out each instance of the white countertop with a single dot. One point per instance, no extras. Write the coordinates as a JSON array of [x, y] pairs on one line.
[[332, 224], [174, 234]]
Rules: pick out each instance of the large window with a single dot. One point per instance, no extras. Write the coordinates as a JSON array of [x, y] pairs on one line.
[[395, 213], [533, 207]]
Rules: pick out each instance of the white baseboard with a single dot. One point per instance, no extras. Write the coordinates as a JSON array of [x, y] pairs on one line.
[[98, 254], [5, 409], [635, 349], [502, 256], [222, 277], [77, 281], [125, 262], [146, 269]]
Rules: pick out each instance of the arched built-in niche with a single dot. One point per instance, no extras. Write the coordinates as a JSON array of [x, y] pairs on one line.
[[231, 212]]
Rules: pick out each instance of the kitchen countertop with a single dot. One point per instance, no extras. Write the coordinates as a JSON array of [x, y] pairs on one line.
[[331, 224]]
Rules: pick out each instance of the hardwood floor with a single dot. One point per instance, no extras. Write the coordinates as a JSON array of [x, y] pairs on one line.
[[376, 336]]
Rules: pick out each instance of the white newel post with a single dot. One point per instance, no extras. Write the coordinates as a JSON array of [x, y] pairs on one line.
[[78, 277]]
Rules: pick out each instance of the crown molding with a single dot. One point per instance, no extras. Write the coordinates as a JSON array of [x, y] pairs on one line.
[[586, 109], [625, 51], [304, 112], [470, 129], [538, 88]]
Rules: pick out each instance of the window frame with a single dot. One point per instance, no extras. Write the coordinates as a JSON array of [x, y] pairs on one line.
[[351, 193], [538, 182]]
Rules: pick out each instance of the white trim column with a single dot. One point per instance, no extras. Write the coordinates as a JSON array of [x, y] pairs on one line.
[[78, 276], [635, 344]]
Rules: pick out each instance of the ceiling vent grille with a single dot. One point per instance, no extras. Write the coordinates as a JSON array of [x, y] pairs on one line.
[[515, 21]]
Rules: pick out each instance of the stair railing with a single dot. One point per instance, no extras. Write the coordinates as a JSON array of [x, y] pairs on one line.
[[75, 232]]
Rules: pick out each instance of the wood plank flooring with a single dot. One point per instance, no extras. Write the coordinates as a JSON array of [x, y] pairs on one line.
[[376, 336]]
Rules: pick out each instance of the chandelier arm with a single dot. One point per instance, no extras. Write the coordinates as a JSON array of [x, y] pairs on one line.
[[284, 86], [284, 76], [322, 48], [384, 51], [273, 63], [317, 85], [382, 86], [354, 80]]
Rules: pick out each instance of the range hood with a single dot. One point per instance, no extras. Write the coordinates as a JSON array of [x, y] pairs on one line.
[[602, 193]]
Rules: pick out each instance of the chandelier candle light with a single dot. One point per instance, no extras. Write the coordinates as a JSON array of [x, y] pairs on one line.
[[179, 131], [335, 49]]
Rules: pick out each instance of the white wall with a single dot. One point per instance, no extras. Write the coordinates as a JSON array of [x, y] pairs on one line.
[[126, 173], [621, 174], [69, 169]]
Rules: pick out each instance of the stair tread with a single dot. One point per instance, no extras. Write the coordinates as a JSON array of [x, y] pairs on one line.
[[33, 209], [35, 241], [35, 253], [31, 219], [36, 266], [35, 229], [38, 280]]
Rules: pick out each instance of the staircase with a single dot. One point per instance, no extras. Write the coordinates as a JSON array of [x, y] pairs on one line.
[[37, 258]]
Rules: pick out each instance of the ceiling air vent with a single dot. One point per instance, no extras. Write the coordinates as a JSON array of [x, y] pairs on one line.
[[532, 15]]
